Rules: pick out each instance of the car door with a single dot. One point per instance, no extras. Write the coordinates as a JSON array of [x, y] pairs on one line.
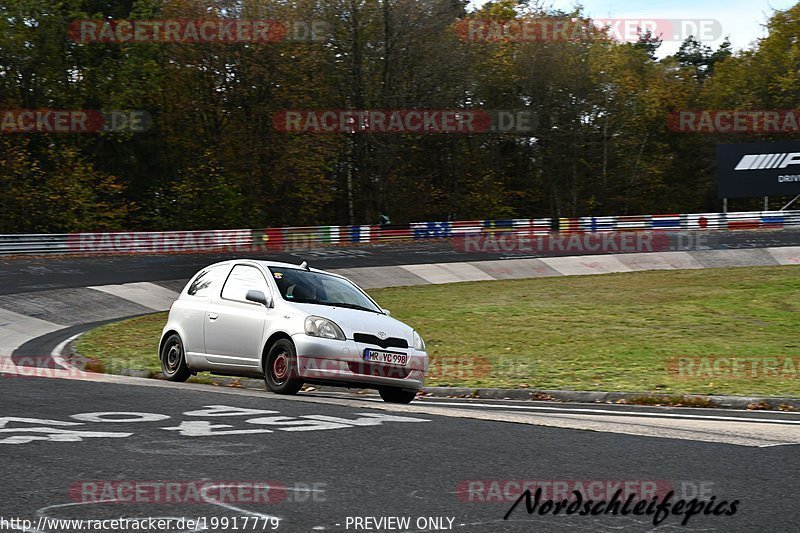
[[190, 311], [234, 327]]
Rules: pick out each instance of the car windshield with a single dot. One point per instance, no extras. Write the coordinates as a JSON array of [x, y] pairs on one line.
[[304, 286]]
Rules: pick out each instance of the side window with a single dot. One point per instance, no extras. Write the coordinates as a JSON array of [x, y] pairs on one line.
[[242, 279], [202, 284]]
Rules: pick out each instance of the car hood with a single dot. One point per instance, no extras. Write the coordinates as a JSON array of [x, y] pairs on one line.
[[356, 321]]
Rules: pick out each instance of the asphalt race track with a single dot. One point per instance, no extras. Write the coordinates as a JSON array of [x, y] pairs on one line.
[[92, 448], [323, 470]]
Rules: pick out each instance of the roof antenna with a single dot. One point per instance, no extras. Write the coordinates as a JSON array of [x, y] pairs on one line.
[[304, 265]]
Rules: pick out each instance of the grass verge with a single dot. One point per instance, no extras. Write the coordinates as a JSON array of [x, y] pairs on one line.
[[660, 331]]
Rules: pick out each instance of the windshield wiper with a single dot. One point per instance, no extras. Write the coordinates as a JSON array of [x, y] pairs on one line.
[[353, 306], [333, 304], [305, 301]]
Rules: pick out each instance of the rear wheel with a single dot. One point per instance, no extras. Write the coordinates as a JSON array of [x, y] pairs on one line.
[[280, 368], [173, 359], [395, 395]]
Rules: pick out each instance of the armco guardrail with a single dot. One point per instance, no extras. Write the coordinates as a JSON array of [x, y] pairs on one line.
[[252, 240], [694, 221], [296, 238]]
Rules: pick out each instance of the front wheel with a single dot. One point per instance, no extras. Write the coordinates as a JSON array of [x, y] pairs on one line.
[[280, 368], [395, 395], [173, 360]]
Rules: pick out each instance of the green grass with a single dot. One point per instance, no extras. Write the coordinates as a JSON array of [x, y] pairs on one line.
[[127, 345], [130, 344], [611, 332]]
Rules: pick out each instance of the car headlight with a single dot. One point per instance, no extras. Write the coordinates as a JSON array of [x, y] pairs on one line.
[[316, 326], [417, 343]]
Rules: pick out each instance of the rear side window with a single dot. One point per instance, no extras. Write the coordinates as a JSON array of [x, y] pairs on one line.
[[204, 282], [243, 278]]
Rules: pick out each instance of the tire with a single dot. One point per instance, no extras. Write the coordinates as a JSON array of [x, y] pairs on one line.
[[280, 368], [395, 395], [173, 359]]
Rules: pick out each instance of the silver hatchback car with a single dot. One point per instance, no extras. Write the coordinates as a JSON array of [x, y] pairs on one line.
[[292, 325]]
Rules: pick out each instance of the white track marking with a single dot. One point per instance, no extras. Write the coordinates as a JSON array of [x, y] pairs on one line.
[[626, 413], [448, 272], [145, 294], [55, 354], [233, 507]]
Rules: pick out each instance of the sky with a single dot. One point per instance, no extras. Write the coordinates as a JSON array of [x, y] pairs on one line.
[[741, 20]]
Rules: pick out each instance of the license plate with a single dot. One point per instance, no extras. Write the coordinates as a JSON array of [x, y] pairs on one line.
[[385, 358]]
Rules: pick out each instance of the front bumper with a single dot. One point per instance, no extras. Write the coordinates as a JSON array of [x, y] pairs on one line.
[[343, 362]]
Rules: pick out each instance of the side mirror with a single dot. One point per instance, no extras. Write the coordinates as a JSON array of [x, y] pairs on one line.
[[258, 297], [386, 311]]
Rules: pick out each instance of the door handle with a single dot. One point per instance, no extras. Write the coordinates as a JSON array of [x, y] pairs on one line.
[[212, 316]]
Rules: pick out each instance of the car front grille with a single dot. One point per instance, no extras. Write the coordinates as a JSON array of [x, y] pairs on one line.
[[390, 342]]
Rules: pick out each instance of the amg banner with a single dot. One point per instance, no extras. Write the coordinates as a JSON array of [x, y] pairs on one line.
[[758, 169]]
